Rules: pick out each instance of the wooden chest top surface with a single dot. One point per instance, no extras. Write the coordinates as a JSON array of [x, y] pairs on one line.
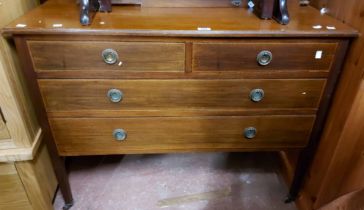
[[62, 17]]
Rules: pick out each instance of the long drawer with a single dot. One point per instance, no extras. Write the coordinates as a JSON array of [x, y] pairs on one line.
[[123, 56], [281, 55], [86, 136], [88, 95]]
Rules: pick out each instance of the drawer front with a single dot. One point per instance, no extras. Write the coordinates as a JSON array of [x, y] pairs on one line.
[[86, 136], [90, 95], [131, 56], [243, 56]]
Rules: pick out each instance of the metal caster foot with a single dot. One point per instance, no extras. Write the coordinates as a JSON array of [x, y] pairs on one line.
[[67, 206]]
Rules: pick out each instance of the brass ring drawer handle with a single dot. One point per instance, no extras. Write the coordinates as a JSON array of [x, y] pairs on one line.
[[264, 57], [250, 132], [257, 95], [120, 134], [115, 95], [110, 56]]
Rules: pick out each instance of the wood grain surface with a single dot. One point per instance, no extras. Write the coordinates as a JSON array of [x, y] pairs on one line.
[[134, 21], [28, 185], [14, 101], [7, 143], [10, 152], [243, 56], [12, 194], [38, 179], [187, 3], [4, 133], [135, 56], [87, 96], [87, 136]]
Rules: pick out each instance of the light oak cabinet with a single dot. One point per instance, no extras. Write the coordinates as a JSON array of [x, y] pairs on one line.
[[24, 160], [23, 185], [20, 134]]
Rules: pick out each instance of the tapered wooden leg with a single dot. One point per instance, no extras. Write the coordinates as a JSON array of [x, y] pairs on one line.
[[60, 171], [303, 164], [36, 98]]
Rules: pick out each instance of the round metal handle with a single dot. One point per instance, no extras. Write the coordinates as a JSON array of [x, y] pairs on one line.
[[250, 132], [264, 57], [119, 134], [257, 95], [115, 95], [110, 56]]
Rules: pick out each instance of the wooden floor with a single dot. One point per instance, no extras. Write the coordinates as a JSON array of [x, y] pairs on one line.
[[204, 181]]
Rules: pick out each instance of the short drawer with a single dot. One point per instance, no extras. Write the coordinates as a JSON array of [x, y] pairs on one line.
[[86, 136], [271, 55], [123, 56], [94, 95]]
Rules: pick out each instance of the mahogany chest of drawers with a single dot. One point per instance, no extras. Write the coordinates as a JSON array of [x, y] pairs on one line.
[[156, 80], [205, 112]]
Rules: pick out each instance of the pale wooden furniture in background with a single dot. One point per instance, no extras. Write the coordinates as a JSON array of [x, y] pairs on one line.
[[20, 135], [27, 180], [28, 185]]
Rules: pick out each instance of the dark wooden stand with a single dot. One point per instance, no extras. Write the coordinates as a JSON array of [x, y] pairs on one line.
[[265, 9], [280, 12]]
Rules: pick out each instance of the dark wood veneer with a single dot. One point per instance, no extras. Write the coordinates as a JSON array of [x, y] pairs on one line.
[[89, 96], [91, 136]]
